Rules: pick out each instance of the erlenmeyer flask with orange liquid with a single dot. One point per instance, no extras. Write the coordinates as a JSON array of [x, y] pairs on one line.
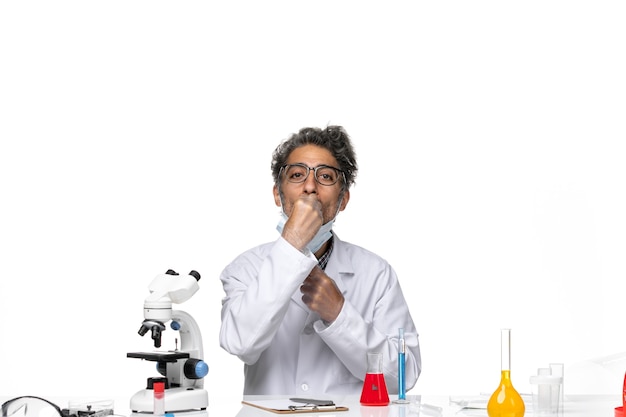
[[505, 401], [374, 387]]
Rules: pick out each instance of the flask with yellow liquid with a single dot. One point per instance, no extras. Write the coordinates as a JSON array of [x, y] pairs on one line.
[[505, 401]]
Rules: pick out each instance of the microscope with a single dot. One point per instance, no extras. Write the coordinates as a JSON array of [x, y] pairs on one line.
[[182, 371]]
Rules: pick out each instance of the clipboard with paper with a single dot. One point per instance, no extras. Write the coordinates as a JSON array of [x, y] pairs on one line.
[[295, 405]]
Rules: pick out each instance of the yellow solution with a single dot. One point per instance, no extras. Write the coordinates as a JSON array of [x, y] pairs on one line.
[[505, 401]]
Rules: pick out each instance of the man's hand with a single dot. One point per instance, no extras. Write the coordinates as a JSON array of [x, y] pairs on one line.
[[320, 294], [305, 220]]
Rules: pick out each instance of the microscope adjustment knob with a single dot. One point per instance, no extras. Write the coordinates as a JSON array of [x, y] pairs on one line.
[[196, 369]]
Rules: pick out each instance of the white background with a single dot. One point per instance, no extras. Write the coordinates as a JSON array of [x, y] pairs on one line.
[[137, 137]]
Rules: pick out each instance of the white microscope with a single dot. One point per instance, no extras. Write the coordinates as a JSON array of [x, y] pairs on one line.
[[182, 370]]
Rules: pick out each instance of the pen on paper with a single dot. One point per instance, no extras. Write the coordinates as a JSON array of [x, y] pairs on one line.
[[312, 401]]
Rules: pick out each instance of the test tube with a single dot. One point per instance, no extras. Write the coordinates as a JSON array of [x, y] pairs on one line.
[[401, 368], [557, 369], [159, 399]]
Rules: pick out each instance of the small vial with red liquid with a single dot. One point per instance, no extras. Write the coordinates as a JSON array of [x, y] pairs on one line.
[[159, 398]]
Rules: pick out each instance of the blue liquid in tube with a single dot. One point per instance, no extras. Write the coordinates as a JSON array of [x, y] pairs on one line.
[[401, 366]]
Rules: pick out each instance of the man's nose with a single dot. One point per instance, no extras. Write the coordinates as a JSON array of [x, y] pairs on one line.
[[310, 185]]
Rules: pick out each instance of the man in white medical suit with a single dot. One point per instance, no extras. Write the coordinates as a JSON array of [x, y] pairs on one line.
[[302, 312]]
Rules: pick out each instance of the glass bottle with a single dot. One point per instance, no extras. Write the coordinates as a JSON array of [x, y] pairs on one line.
[[374, 387], [505, 401]]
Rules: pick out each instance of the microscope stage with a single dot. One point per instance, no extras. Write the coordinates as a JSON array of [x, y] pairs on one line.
[[159, 356]]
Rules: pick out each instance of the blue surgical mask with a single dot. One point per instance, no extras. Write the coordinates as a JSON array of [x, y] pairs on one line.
[[318, 240]]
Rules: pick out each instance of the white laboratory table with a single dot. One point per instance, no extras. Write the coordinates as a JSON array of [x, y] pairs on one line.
[[231, 406], [574, 406]]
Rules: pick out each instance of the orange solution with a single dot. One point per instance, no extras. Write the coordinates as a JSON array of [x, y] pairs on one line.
[[374, 390], [506, 401]]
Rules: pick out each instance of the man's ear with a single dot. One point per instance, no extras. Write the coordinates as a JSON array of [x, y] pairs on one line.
[[344, 201], [276, 196]]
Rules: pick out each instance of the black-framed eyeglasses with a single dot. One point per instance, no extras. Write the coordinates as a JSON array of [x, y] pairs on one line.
[[323, 174]]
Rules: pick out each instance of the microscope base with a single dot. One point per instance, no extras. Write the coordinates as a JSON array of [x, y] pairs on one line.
[[177, 400]]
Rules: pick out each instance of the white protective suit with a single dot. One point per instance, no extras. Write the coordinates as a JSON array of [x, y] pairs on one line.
[[287, 348]]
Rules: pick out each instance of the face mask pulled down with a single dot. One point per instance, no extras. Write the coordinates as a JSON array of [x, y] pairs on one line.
[[318, 240]]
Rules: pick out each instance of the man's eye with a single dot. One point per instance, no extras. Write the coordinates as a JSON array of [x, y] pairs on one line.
[[326, 174]]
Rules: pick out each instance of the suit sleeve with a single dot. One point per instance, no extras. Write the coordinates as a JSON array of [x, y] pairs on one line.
[[258, 287]]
